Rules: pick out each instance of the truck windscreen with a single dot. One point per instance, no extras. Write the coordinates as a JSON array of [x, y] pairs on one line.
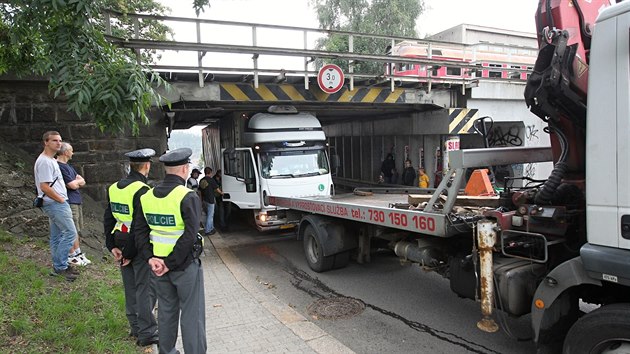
[[292, 164]]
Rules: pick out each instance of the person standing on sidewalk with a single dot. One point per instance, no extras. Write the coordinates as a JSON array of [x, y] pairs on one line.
[[73, 182], [166, 236], [49, 183], [423, 178], [409, 174], [192, 182], [139, 283], [208, 186]]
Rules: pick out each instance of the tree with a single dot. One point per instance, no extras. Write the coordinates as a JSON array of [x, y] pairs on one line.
[[383, 17], [65, 41]]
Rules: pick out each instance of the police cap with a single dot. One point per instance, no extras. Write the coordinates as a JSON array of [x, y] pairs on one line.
[[141, 155], [176, 157]]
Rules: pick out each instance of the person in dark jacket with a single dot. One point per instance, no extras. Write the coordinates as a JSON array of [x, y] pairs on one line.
[[123, 205], [222, 209], [409, 174], [208, 189], [387, 168], [165, 229]]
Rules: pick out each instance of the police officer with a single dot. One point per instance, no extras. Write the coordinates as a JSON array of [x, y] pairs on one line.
[[166, 236], [139, 283]]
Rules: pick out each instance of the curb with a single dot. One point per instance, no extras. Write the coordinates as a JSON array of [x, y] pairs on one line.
[[316, 338]]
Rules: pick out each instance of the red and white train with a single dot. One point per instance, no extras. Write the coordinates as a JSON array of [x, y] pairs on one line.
[[493, 61]]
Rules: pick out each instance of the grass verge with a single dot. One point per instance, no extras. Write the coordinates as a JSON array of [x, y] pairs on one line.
[[40, 313]]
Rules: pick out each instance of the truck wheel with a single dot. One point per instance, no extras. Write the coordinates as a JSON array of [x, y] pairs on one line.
[[605, 330], [314, 252]]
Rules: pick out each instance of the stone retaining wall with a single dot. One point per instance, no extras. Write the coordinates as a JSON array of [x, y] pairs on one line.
[[27, 110]]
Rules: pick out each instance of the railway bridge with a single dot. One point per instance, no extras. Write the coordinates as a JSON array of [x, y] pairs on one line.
[[370, 116]]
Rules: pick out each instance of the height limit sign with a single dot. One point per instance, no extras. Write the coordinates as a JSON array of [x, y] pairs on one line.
[[330, 78]]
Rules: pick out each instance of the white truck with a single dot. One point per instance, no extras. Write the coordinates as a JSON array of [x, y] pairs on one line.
[[283, 154], [544, 249]]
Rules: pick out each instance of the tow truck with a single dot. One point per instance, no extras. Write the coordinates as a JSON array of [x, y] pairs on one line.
[[545, 249]]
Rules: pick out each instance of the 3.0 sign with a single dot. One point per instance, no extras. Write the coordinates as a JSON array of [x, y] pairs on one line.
[[330, 78]]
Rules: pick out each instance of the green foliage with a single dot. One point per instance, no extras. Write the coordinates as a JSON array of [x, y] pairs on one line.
[[199, 5], [44, 314], [6, 237], [147, 29], [383, 17], [65, 40]]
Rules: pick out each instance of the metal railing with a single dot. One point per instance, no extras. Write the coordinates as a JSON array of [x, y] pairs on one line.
[[307, 51]]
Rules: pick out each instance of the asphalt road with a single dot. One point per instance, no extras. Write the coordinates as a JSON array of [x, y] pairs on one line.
[[406, 310]]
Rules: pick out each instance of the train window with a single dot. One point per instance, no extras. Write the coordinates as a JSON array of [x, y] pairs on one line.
[[514, 74], [404, 67], [495, 74], [453, 71]]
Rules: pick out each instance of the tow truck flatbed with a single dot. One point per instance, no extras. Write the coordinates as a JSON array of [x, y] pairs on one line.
[[379, 208], [376, 209]]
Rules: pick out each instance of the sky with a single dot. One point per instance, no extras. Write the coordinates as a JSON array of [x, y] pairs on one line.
[[440, 14]]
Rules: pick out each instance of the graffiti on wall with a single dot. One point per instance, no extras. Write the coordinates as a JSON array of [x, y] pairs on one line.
[[530, 170], [531, 133], [510, 137]]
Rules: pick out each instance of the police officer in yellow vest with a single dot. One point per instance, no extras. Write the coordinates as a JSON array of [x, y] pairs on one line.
[[139, 283], [166, 236]]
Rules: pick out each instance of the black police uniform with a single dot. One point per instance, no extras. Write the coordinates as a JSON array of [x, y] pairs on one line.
[[182, 286], [138, 280]]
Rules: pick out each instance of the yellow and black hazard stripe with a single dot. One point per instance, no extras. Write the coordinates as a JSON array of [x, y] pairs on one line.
[[287, 92], [461, 120]]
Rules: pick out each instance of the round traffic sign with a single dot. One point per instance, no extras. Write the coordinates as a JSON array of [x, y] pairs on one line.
[[330, 78]]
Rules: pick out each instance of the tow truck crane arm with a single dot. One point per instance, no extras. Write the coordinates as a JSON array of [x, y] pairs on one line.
[[556, 91]]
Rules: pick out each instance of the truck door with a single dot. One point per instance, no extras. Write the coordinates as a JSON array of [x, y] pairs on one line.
[[240, 181]]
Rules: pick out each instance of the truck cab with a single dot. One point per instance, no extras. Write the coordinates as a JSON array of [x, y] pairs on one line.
[[283, 154]]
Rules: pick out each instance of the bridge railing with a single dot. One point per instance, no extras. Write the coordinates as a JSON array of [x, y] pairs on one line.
[[217, 36]]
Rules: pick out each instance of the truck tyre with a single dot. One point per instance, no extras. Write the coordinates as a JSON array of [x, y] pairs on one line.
[[600, 331], [315, 253]]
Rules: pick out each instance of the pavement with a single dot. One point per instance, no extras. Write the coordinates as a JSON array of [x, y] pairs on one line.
[[243, 316]]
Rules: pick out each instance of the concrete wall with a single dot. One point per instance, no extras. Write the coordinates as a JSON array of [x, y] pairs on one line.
[[27, 110], [505, 104]]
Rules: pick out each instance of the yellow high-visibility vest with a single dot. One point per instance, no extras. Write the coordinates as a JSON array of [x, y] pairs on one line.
[[164, 217], [121, 204]]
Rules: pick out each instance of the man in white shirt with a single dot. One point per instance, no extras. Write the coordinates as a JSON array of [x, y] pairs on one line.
[[50, 184], [192, 182]]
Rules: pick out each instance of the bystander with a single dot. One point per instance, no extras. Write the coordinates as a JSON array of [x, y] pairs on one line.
[[49, 183], [208, 186], [74, 182]]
